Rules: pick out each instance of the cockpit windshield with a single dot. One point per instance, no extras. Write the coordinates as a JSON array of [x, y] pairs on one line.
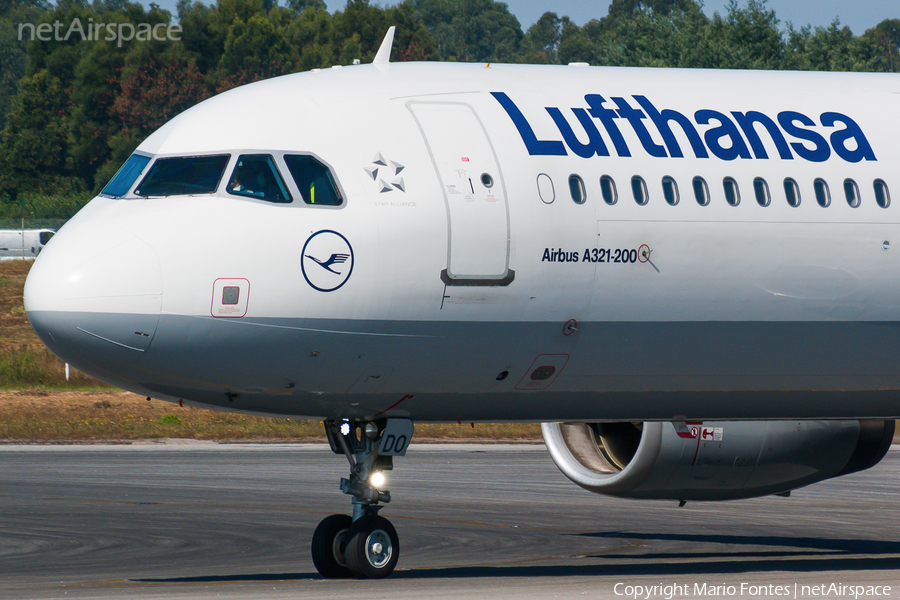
[[313, 179], [183, 176], [126, 175], [256, 176]]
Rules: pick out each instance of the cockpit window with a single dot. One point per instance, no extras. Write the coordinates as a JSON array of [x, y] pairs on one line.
[[183, 176], [313, 179], [45, 236], [256, 176], [125, 176]]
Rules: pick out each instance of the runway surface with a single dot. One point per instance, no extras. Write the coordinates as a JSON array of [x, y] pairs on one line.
[[235, 521]]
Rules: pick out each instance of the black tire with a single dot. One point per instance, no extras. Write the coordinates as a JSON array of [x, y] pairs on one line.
[[328, 545], [372, 548]]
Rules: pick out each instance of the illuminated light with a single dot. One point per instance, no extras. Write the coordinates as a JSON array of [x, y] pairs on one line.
[[377, 479]]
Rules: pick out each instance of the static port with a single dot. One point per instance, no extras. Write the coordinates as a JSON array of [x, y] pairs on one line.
[[542, 373]]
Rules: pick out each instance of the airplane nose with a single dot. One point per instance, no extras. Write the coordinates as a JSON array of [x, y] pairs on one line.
[[93, 296]]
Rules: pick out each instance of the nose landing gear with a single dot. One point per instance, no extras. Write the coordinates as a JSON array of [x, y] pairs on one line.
[[365, 546]]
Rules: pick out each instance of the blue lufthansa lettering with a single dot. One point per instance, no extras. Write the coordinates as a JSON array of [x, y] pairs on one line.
[[820, 153], [839, 138], [747, 122], [726, 129], [723, 139], [607, 116], [595, 143], [635, 119], [534, 145], [662, 120]]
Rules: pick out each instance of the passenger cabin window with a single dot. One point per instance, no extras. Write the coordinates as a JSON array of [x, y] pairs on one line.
[[761, 190], [183, 176], [127, 174], [851, 192], [608, 190], [732, 194], [639, 190], [545, 188], [792, 192], [313, 179], [670, 190], [882, 195], [701, 191], [823, 195], [576, 188], [256, 176]]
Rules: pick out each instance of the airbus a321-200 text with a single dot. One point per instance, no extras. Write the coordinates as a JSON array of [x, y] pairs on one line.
[[688, 276]]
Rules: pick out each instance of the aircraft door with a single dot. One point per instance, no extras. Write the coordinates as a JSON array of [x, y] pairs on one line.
[[474, 193]]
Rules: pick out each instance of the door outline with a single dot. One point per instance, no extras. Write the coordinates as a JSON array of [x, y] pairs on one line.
[[508, 275]]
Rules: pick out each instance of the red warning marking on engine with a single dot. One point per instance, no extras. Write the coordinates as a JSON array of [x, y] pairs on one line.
[[689, 430]]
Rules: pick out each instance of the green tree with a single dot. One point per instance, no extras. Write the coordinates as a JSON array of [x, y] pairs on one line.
[[315, 37], [541, 42], [359, 29], [412, 41], [885, 39], [13, 54], [34, 143], [258, 49], [471, 30], [747, 38], [156, 85]]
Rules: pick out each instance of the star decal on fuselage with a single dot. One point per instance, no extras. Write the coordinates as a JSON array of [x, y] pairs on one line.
[[383, 170]]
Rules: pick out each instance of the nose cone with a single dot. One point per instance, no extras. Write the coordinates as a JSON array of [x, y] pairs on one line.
[[94, 296]]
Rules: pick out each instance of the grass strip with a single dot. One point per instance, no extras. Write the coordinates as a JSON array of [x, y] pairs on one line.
[[87, 416]]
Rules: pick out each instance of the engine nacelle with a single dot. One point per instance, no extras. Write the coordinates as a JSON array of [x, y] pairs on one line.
[[713, 460]]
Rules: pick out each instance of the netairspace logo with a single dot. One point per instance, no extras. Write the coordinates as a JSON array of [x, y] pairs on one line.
[[670, 591], [110, 32]]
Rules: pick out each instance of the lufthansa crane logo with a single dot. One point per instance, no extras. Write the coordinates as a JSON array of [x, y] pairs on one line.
[[326, 260]]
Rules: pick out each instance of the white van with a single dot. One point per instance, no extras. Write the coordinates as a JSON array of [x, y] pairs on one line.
[[20, 244]]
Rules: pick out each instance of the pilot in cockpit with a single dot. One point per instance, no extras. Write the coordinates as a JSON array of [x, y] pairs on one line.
[[242, 181]]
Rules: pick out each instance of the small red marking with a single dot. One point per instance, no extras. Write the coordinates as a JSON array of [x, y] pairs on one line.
[[465, 159], [644, 253], [689, 434], [406, 397], [696, 452]]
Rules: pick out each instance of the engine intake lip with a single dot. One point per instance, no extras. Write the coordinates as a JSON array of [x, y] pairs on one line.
[[573, 448]]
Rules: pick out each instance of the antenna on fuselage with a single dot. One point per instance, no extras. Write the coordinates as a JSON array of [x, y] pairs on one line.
[[383, 56]]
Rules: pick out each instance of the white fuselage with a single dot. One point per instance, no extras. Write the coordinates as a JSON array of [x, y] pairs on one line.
[[471, 278]]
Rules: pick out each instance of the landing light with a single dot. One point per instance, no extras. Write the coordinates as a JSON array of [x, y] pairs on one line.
[[377, 479]]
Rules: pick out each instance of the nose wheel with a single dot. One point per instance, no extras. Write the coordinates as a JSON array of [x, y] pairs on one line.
[[328, 547], [364, 546], [372, 548]]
